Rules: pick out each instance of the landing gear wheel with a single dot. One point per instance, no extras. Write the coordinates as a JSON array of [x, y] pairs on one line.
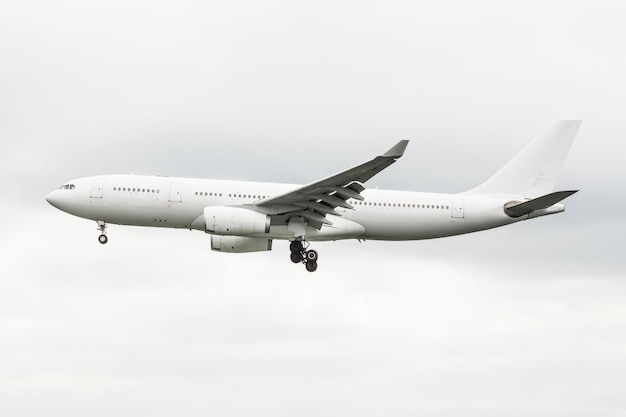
[[296, 257], [311, 266], [311, 256], [102, 226], [299, 254], [296, 246]]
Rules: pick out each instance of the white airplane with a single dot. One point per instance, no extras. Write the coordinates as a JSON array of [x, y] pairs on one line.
[[247, 216]]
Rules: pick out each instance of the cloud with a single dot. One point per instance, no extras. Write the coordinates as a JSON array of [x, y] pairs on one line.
[[155, 312], [520, 320]]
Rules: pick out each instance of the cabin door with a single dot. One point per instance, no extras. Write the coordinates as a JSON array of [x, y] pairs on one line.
[[96, 188], [458, 211], [176, 192]]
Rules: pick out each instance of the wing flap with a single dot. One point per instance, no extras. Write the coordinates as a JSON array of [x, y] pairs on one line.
[[332, 200], [319, 207], [347, 193], [315, 217]]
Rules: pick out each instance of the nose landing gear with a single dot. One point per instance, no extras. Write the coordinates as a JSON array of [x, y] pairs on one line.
[[299, 254], [103, 237]]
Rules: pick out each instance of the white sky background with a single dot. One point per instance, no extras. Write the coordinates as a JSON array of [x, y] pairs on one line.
[[525, 320]]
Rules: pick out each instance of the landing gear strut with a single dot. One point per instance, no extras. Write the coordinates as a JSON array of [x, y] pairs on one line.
[[299, 254], [103, 236]]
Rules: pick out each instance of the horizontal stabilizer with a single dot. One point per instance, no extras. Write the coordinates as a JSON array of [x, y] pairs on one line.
[[539, 203]]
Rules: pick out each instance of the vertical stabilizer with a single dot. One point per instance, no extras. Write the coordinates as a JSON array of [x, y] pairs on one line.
[[533, 172]]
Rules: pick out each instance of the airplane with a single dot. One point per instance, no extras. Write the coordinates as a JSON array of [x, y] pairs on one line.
[[247, 216]]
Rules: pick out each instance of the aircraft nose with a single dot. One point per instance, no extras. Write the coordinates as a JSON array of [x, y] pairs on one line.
[[53, 198]]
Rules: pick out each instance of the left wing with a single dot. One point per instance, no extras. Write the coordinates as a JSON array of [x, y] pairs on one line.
[[317, 199]]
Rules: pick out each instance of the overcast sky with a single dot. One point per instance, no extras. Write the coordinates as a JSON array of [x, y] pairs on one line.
[[518, 321]]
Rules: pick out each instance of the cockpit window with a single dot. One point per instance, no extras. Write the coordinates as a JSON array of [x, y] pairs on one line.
[[67, 187]]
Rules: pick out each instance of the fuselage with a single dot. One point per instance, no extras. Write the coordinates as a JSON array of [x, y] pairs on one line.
[[180, 202]]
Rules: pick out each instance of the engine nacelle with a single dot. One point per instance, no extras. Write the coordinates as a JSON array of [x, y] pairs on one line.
[[235, 221], [240, 244]]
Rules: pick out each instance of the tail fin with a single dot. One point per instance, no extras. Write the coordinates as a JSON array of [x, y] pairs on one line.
[[533, 172]]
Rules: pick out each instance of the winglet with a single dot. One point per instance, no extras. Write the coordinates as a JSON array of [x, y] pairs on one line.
[[398, 150]]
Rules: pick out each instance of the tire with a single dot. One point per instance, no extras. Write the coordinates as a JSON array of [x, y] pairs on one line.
[[296, 258], [103, 239], [296, 246], [311, 256], [311, 266]]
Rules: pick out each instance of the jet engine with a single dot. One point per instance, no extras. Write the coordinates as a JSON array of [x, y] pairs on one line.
[[235, 221], [239, 244]]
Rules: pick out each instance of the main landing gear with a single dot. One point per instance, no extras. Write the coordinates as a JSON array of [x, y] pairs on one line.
[[299, 254], [103, 233]]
